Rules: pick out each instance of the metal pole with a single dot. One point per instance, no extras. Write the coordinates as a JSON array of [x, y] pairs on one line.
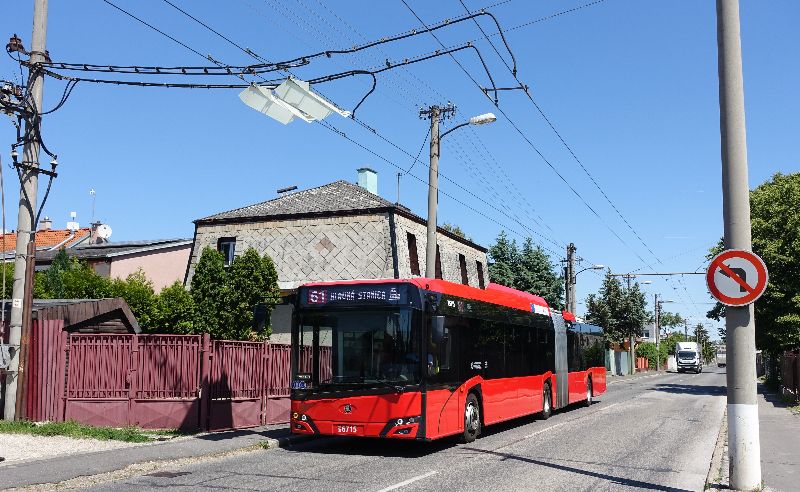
[[433, 195], [744, 446], [658, 332], [571, 278], [27, 206]]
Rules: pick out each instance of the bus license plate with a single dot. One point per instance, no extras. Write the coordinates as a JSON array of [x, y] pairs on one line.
[[347, 429]]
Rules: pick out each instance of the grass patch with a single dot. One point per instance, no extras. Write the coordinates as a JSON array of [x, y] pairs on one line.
[[74, 429], [263, 444]]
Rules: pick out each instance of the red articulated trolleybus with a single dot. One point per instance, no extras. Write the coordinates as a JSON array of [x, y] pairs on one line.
[[425, 359]]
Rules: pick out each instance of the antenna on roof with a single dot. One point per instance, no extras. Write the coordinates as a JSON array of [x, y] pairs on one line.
[[286, 190], [94, 198]]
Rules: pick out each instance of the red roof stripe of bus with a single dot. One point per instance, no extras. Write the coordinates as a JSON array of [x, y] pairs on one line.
[[493, 294], [569, 316]]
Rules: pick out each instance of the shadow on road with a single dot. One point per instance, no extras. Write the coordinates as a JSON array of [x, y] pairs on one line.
[[610, 478], [225, 435], [689, 389]]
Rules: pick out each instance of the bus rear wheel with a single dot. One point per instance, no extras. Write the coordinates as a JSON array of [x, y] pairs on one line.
[[547, 402], [589, 395], [472, 419]]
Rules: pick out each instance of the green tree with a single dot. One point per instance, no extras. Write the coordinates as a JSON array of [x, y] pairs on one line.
[[452, 228], [670, 320], [620, 312], [528, 269], [210, 294], [504, 260], [536, 275], [174, 310], [138, 292], [9, 271], [248, 287], [775, 218], [52, 281]]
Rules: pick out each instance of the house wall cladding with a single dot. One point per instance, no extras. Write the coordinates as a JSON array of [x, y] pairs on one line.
[[332, 248], [449, 249]]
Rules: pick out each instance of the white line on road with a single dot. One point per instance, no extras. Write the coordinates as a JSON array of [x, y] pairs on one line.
[[407, 482]]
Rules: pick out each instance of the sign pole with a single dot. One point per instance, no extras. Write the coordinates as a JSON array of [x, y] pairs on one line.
[[744, 446]]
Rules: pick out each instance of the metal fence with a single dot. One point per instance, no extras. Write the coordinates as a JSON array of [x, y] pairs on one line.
[[159, 381]]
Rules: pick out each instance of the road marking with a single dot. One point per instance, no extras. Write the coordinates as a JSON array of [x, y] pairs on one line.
[[408, 482]]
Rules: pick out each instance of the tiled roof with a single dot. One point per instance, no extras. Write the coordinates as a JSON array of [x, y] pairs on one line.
[[339, 196], [46, 239]]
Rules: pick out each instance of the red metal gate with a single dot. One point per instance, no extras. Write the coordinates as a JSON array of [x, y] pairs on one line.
[[151, 381]]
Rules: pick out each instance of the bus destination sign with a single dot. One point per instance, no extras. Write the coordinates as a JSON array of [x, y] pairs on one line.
[[356, 294]]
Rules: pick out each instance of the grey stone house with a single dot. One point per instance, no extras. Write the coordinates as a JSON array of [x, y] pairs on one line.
[[339, 231]]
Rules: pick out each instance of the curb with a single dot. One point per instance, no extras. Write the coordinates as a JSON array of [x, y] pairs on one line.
[[145, 467], [717, 478]]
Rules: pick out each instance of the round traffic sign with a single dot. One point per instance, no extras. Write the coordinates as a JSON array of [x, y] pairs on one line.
[[737, 277]]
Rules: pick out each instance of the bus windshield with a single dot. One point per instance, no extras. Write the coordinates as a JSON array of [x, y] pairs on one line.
[[363, 346]]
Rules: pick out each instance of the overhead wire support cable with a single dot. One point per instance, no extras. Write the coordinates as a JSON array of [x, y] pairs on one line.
[[446, 51], [530, 143]]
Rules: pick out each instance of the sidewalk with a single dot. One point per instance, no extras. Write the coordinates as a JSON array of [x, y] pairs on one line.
[[59, 469], [779, 432], [780, 442]]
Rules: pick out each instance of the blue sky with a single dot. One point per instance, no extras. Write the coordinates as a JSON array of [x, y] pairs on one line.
[[631, 86]]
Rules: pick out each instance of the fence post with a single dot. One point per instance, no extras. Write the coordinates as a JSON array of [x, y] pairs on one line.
[[63, 376], [205, 380], [133, 378], [266, 361]]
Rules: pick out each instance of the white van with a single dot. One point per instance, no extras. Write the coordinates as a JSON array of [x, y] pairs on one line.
[[688, 357], [721, 356]]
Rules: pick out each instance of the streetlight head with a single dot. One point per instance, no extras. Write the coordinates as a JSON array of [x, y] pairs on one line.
[[483, 119], [647, 282], [598, 267]]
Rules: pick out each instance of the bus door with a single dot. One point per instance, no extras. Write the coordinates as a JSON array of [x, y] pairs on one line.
[[562, 369]]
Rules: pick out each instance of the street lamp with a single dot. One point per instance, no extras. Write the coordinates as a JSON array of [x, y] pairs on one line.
[[570, 292], [657, 306], [434, 112]]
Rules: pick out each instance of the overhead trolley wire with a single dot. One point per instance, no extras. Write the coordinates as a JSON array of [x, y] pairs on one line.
[[446, 51]]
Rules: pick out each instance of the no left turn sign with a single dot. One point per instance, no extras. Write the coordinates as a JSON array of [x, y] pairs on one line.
[[736, 277]]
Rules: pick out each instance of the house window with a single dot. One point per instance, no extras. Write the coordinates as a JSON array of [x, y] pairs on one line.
[[480, 274], [438, 264], [462, 263], [413, 256], [227, 246]]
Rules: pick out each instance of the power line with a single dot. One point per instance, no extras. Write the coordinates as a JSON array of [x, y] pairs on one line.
[[333, 77]]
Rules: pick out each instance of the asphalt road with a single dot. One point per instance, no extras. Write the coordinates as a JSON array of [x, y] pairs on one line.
[[651, 433]]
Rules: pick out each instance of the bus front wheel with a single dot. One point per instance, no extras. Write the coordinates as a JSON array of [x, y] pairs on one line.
[[472, 419], [547, 402]]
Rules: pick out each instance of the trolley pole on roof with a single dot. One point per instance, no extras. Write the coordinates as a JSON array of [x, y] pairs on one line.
[[27, 212], [744, 445]]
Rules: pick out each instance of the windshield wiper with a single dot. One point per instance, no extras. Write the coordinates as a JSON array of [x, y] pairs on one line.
[[387, 383]]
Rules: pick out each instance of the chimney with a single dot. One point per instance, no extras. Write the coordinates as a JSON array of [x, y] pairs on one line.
[[46, 224], [368, 179]]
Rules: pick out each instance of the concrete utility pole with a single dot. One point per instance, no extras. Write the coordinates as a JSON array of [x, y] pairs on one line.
[[744, 447], [433, 194], [437, 113], [657, 326], [27, 210], [570, 279]]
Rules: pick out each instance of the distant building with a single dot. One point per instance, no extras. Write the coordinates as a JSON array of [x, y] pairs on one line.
[[163, 261], [339, 231]]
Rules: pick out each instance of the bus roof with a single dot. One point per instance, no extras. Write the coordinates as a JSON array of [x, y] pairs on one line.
[[493, 294]]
